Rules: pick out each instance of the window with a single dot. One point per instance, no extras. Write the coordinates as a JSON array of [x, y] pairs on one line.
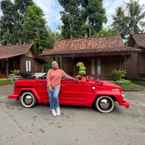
[[28, 65]]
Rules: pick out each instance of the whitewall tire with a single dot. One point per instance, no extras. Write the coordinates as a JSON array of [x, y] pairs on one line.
[[105, 104], [27, 100]]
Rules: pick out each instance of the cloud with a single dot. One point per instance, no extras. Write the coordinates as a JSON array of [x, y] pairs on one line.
[[51, 9], [110, 6], [0, 9]]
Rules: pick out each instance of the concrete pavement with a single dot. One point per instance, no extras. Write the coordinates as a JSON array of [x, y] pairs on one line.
[[77, 126]]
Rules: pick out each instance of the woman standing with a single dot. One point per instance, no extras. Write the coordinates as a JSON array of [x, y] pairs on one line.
[[54, 77]]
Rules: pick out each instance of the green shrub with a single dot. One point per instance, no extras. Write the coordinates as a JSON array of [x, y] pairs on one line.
[[124, 83], [47, 66], [15, 72], [5, 82], [118, 74]]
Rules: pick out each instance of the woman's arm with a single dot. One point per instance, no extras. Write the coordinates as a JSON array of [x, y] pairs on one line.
[[68, 76], [48, 80]]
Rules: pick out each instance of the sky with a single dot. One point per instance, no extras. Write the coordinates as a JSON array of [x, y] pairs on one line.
[[51, 9]]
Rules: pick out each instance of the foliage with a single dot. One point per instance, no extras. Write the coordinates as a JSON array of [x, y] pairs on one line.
[[7, 22], [71, 18], [118, 74], [81, 68], [128, 85], [82, 17], [93, 15], [23, 22], [47, 66], [130, 19], [34, 28], [15, 72], [124, 83], [22, 5], [139, 82], [5, 82], [106, 32]]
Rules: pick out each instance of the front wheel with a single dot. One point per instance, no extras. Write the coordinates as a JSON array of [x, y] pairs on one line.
[[105, 104], [27, 100]]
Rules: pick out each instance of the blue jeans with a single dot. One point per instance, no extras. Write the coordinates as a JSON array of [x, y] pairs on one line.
[[54, 97]]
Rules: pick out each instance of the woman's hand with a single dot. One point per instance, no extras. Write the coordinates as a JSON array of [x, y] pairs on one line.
[[50, 88]]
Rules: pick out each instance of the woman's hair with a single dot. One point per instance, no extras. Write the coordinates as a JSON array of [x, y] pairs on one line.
[[54, 62]]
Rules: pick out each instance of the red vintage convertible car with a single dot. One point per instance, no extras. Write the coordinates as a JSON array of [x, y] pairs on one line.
[[101, 95]]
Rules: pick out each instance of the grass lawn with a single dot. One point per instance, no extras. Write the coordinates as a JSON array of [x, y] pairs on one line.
[[5, 82], [139, 82], [131, 85]]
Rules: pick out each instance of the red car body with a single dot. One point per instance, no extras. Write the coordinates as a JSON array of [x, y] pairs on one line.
[[76, 93]]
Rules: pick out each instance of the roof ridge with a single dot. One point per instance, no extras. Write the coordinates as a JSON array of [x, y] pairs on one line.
[[93, 37], [7, 51]]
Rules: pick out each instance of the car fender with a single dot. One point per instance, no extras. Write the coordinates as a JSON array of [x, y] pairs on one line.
[[30, 90], [106, 93]]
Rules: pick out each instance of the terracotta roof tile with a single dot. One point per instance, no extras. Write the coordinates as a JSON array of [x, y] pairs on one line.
[[88, 45], [7, 51], [139, 39]]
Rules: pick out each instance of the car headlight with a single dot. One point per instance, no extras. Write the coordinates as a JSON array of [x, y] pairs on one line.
[[123, 94]]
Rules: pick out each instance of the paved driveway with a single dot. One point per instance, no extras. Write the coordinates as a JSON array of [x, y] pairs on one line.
[[77, 126]]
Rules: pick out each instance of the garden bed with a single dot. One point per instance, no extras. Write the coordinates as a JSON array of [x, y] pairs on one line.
[[5, 82], [130, 85]]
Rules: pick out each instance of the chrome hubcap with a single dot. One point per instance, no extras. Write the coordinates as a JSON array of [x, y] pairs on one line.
[[105, 104], [28, 99]]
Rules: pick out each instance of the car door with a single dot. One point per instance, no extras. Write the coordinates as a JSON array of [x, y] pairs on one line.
[[75, 92], [41, 88]]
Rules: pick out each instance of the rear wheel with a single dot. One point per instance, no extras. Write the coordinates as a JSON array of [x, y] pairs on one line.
[[105, 104], [27, 100]]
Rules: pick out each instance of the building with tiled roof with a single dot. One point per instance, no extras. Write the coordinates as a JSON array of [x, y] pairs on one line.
[[101, 55], [18, 57]]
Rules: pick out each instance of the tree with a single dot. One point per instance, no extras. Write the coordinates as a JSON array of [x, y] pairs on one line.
[[82, 17], [93, 15], [21, 5], [23, 22], [35, 29], [7, 22], [136, 16], [106, 32], [70, 18], [131, 20], [120, 23], [21, 8], [12, 21]]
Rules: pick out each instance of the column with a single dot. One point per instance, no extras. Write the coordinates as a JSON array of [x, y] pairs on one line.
[[93, 66], [99, 68], [7, 67], [60, 61]]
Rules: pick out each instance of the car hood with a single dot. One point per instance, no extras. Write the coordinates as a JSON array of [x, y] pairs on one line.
[[109, 84]]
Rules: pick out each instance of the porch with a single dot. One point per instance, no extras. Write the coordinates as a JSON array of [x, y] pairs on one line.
[[101, 55], [100, 67], [7, 65]]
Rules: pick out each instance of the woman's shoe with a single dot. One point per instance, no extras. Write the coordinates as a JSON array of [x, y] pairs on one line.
[[53, 112], [58, 111]]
